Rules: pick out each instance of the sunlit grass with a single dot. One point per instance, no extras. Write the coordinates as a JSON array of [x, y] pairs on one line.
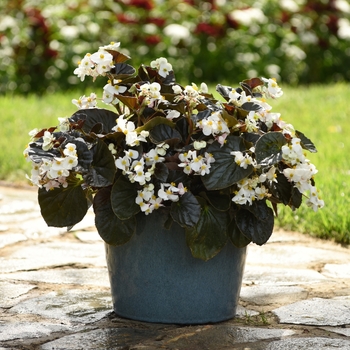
[[322, 113], [21, 114]]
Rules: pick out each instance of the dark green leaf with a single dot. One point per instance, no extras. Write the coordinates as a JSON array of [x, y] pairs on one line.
[[161, 172], [219, 200], [296, 199], [224, 91], [186, 211], [178, 176], [37, 154], [94, 116], [238, 239], [164, 133], [61, 207], [111, 229], [103, 168], [282, 189], [122, 70], [268, 148], [123, 198], [285, 192], [97, 128], [209, 236], [85, 156], [224, 171], [202, 115], [251, 106], [250, 137], [152, 123], [256, 221], [182, 127], [305, 142]]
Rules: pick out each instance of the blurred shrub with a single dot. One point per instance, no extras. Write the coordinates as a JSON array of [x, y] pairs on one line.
[[296, 41]]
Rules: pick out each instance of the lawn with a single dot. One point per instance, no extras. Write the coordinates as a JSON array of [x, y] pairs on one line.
[[320, 112]]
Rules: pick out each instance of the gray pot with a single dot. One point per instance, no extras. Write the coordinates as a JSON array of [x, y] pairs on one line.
[[154, 277]]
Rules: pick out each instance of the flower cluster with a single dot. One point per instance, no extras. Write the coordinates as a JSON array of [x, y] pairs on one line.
[[196, 164], [209, 164], [98, 63], [301, 173], [53, 173]]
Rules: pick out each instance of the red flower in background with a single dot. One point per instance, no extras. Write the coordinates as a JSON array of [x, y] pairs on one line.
[[209, 29], [145, 4], [332, 24], [153, 39], [158, 21], [37, 20], [123, 18]]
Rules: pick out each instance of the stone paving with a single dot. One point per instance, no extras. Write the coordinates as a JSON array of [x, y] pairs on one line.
[[54, 292]]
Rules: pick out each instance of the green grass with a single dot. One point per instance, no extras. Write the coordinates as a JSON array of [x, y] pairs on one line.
[[21, 114], [320, 112]]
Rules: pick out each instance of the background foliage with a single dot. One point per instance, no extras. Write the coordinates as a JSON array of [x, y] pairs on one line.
[[296, 41]]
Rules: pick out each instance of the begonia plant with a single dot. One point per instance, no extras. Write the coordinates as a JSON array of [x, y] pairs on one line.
[[217, 165]]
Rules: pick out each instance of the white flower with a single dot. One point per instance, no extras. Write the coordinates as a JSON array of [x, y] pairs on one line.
[[163, 66], [146, 199], [273, 90], [197, 164], [123, 163], [190, 94], [243, 160], [172, 114], [251, 121], [48, 140], [128, 128], [132, 153], [198, 145], [293, 152], [162, 148], [169, 193], [213, 125], [270, 175], [138, 173], [84, 67], [86, 102], [55, 173], [234, 96], [109, 92], [314, 201], [51, 185], [103, 61], [204, 88], [113, 46], [151, 92], [249, 191], [70, 149], [152, 157], [155, 203], [177, 89]]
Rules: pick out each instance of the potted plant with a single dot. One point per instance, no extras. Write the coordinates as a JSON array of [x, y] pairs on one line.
[[180, 180]]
